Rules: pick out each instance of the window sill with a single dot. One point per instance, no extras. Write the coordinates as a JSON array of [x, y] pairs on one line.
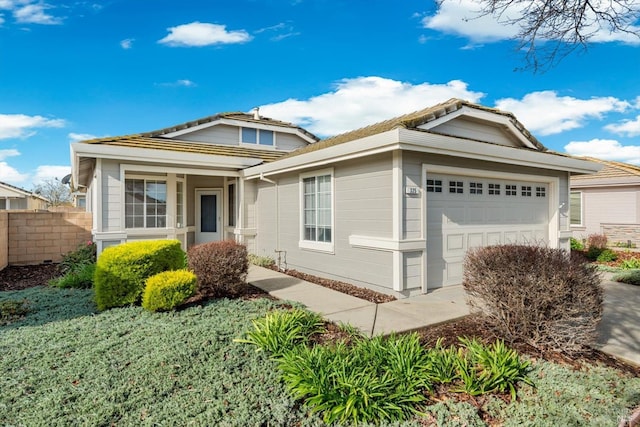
[[316, 246]]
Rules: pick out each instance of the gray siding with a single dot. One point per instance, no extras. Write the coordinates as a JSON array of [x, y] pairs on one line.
[[111, 196], [200, 181], [363, 206], [611, 205], [466, 128], [220, 134], [412, 270], [289, 142]]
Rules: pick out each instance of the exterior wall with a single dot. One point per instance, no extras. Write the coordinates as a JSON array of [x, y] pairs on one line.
[[617, 207], [362, 207], [623, 233], [4, 239], [38, 237], [230, 135], [466, 128], [111, 196], [288, 142]]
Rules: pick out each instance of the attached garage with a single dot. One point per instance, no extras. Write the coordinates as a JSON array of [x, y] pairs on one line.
[[467, 211]]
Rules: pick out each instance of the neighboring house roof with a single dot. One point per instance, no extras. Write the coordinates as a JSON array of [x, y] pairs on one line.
[[612, 173], [413, 121], [22, 191], [159, 143]]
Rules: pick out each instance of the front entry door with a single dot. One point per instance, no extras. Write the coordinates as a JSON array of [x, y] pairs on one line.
[[208, 215]]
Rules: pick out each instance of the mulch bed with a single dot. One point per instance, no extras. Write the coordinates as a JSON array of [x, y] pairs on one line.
[[18, 277]]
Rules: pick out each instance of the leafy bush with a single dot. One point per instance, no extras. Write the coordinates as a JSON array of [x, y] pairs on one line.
[[375, 380], [221, 268], [597, 241], [122, 270], [607, 255], [85, 254], [632, 277], [576, 245], [281, 330], [536, 295], [261, 261], [12, 310], [593, 253], [80, 277], [630, 264], [167, 290]]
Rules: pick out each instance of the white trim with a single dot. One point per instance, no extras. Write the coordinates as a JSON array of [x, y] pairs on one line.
[[426, 142], [328, 247], [484, 116], [178, 170], [397, 222], [232, 122], [99, 212], [387, 245]]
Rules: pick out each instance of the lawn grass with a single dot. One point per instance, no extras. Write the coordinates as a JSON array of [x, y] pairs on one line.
[[64, 364]]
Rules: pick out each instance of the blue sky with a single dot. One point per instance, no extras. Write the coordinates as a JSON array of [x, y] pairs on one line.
[[73, 70]]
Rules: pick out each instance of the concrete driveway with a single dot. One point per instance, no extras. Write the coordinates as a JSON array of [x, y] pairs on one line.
[[619, 330]]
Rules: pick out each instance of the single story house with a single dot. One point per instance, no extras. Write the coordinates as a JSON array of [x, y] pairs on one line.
[[392, 207], [607, 202], [13, 198]]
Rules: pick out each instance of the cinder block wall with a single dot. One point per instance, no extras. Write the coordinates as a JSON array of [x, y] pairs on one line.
[[4, 239], [39, 237]]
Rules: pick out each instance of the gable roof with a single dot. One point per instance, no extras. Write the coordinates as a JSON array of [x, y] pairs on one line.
[[612, 171], [166, 144], [413, 121], [239, 116], [22, 191]]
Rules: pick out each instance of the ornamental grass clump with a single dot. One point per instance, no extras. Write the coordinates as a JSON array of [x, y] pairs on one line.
[[167, 290], [537, 295], [122, 270], [221, 268]]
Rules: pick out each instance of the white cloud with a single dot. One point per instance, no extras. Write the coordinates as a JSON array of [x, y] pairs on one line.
[[546, 113], [11, 152], [179, 83], [75, 137], [35, 14], [127, 43], [22, 126], [362, 101], [464, 18], [606, 149], [626, 127], [203, 34], [1, 19], [11, 175], [47, 172]]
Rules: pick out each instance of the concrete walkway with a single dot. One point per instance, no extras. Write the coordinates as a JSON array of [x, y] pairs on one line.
[[435, 307], [619, 331]]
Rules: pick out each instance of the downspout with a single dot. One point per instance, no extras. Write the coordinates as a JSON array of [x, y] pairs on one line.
[[277, 197]]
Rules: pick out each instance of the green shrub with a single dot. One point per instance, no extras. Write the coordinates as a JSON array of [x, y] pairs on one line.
[[375, 380], [221, 268], [281, 330], [122, 270], [607, 255], [83, 255], [12, 310], [593, 253], [167, 290], [80, 277], [536, 295], [261, 261], [576, 245], [630, 264], [632, 277]]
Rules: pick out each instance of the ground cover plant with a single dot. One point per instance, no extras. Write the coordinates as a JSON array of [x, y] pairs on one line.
[[631, 277]]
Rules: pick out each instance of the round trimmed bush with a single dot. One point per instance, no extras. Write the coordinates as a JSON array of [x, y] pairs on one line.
[[167, 290], [121, 271], [221, 268], [538, 295]]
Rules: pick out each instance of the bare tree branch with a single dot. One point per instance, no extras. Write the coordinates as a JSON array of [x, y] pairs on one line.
[[55, 191]]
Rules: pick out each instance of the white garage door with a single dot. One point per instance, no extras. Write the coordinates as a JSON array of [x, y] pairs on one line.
[[465, 212]]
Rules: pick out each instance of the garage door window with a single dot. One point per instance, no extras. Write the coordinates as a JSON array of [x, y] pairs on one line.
[[541, 192], [511, 190], [494, 189], [434, 186], [526, 191], [475, 187], [456, 187]]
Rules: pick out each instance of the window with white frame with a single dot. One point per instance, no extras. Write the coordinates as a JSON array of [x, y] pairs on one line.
[[180, 204], [575, 208], [145, 202], [257, 136], [317, 211]]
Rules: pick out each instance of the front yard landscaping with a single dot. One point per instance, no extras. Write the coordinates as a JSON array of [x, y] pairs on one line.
[[64, 363]]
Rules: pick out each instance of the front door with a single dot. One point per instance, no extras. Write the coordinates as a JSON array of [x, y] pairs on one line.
[[208, 215]]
